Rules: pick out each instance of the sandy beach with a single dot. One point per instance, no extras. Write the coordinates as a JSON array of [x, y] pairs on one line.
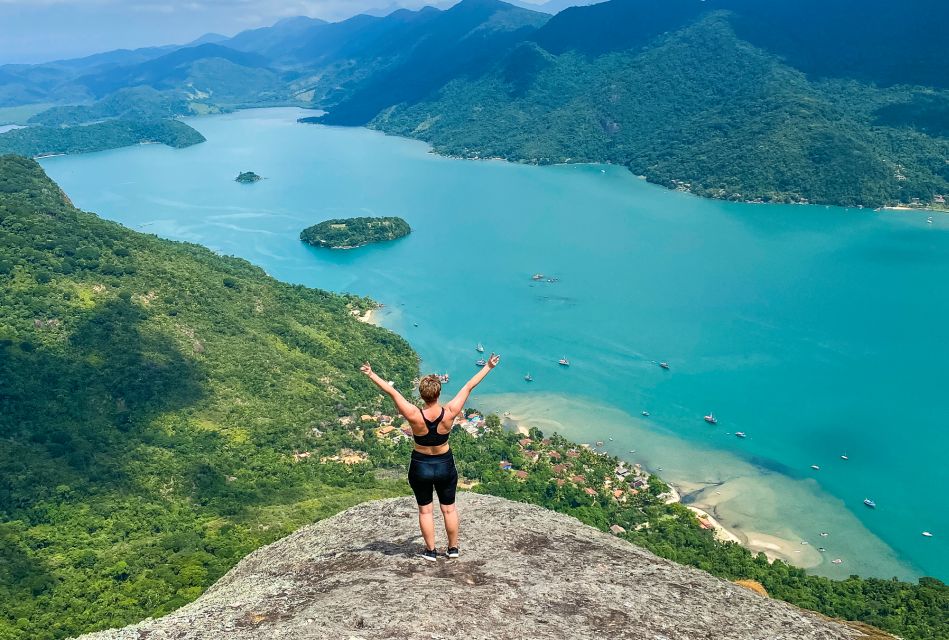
[[369, 317], [721, 503]]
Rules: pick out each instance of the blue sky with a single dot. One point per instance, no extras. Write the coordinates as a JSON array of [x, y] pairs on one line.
[[42, 30]]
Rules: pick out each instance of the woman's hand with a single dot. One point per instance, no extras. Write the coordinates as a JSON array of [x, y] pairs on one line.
[[493, 361], [365, 368]]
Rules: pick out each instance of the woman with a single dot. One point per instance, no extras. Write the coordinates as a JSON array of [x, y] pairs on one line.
[[433, 466]]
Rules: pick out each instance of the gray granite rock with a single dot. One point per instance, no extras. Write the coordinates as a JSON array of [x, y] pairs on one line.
[[524, 572]]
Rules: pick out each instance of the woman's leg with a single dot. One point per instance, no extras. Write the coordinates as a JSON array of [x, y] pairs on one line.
[[420, 479], [451, 523], [426, 522], [446, 483]]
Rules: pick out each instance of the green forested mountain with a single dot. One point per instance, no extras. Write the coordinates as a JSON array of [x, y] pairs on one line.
[[682, 99], [461, 41], [152, 395], [38, 141]]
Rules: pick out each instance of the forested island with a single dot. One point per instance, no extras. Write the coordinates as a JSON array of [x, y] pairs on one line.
[[41, 140], [349, 233], [247, 177]]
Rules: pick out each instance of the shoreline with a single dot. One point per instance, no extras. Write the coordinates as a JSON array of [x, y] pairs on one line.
[[779, 537]]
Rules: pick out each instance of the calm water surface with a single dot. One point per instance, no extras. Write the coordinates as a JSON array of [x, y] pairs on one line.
[[817, 331]]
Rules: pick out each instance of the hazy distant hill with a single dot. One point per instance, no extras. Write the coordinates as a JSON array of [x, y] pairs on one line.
[[464, 40]]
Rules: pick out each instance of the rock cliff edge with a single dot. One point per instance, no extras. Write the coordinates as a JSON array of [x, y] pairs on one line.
[[524, 572]]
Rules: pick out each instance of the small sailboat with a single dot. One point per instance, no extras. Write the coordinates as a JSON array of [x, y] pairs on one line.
[[844, 457], [481, 362], [929, 220], [870, 503], [837, 561], [480, 348], [824, 534], [711, 419], [664, 365], [528, 378], [927, 534], [537, 276], [645, 414], [740, 434], [815, 467], [564, 362]]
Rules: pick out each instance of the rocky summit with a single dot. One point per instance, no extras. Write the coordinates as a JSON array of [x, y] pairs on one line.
[[524, 572]]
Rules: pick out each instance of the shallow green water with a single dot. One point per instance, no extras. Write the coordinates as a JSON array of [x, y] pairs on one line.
[[817, 331]]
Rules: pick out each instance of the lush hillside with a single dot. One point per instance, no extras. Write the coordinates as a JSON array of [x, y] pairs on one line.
[[689, 104], [348, 233], [151, 397], [38, 141]]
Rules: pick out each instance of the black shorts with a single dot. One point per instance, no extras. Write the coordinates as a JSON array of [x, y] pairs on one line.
[[433, 472]]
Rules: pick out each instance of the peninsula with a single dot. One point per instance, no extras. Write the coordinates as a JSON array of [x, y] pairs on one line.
[[349, 233], [39, 141]]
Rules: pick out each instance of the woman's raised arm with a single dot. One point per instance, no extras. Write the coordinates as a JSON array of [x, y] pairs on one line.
[[406, 408], [457, 403]]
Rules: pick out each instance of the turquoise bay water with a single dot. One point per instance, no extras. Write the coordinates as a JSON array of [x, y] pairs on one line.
[[817, 331]]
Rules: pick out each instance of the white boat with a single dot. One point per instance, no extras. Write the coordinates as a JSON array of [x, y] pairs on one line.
[[529, 378], [824, 534], [837, 561], [564, 362], [537, 276], [481, 362], [646, 414], [870, 503], [927, 534], [929, 220], [664, 365], [480, 348], [711, 419], [844, 457], [815, 467], [740, 434]]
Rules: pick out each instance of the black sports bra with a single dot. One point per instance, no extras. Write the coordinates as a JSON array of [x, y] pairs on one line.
[[432, 438]]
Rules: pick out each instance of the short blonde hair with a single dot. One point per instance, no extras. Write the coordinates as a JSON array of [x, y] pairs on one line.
[[429, 388]]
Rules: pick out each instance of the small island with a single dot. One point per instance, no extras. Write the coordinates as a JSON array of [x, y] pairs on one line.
[[247, 177], [349, 233]]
